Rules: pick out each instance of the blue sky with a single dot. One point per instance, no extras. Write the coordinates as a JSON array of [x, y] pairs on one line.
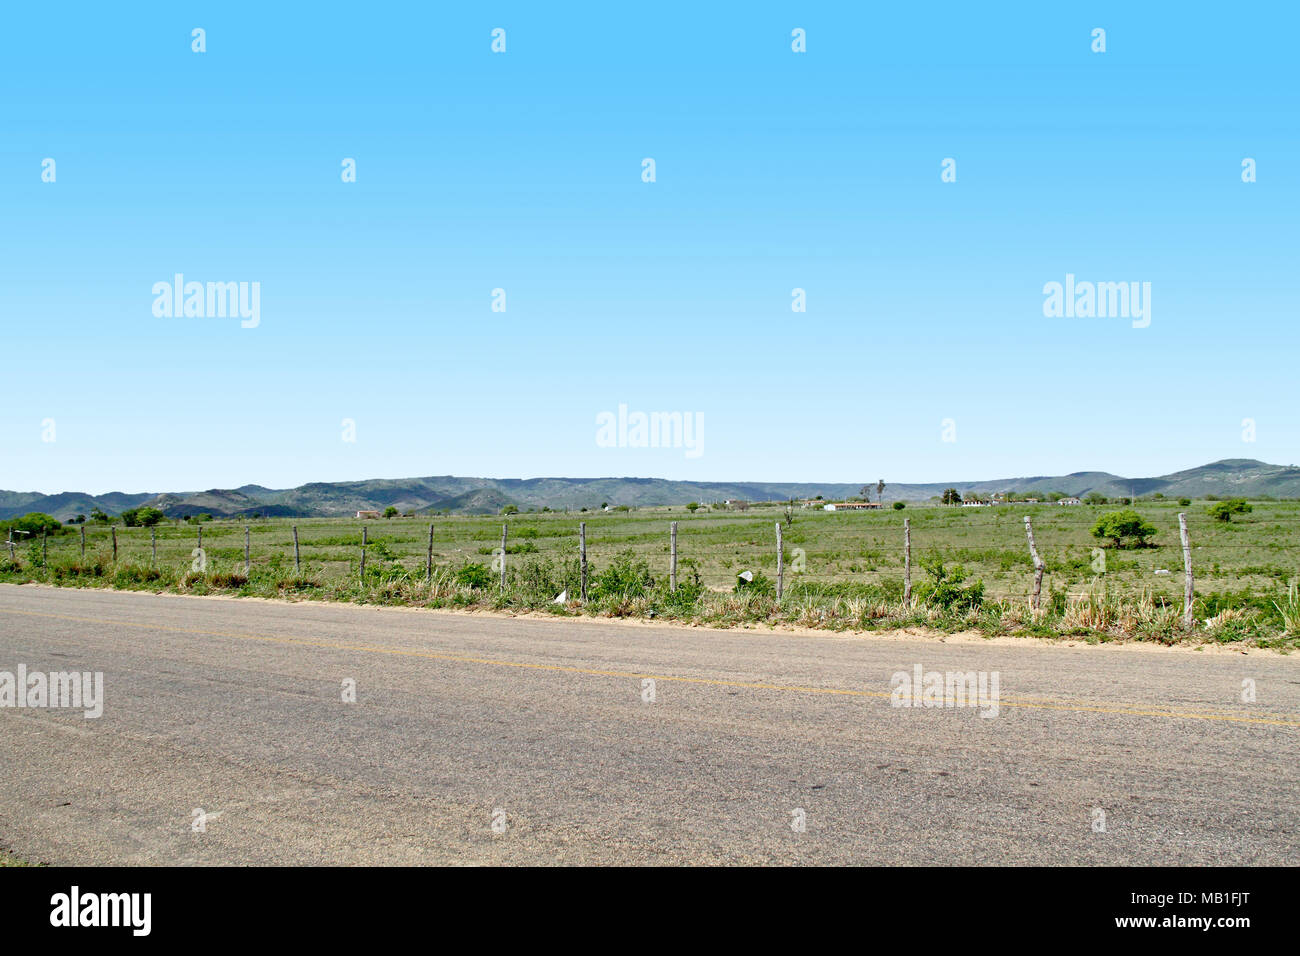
[[522, 171]]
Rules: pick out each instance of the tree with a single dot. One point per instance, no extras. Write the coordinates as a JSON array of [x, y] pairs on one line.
[[880, 489], [899, 506], [951, 496], [1184, 502], [148, 517], [510, 510], [1224, 510], [390, 512], [692, 507], [33, 523], [1096, 498], [98, 516], [1119, 526]]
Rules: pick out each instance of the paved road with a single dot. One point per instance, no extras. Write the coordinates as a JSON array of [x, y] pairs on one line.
[[235, 707]]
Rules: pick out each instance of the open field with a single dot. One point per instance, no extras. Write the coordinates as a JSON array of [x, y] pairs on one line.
[[1246, 563]]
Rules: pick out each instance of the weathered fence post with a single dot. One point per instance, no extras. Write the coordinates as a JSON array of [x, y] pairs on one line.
[[428, 559], [297, 563], [503, 556], [780, 564], [582, 555], [153, 544], [248, 564], [672, 549], [363, 553], [907, 562], [113, 530], [83, 542], [200, 537], [1187, 571], [1038, 566]]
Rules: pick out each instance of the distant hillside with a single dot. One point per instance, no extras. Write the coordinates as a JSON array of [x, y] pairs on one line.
[[1233, 476]]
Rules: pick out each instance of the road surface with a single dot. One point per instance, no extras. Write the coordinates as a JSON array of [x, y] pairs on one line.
[[758, 746]]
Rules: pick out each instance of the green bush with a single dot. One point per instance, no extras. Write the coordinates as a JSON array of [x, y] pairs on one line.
[[944, 589], [471, 575], [33, 523], [1122, 526], [761, 584], [627, 576], [1224, 510]]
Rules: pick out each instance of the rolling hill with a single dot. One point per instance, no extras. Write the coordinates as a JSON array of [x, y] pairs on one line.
[[1232, 476]]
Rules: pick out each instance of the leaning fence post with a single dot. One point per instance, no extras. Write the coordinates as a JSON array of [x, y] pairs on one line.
[[428, 559], [363, 553], [297, 563], [780, 564], [248, 566], [1038, 565], [113, 530], [672, 567], [503, 556], [582, 555], [1187, 571], [907, 561]]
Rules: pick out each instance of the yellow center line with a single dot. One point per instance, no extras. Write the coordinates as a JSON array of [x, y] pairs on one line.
[[1033, 704]]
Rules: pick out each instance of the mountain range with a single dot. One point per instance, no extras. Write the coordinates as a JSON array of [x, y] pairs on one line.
[[1232, 476]]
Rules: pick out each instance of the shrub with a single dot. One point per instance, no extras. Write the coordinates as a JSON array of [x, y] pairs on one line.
[[1120, 526], [761, 584], [33, 523], [1224, 510], [471, 575], [1184, 502], [944, 589], [627, 576], [899, 506]]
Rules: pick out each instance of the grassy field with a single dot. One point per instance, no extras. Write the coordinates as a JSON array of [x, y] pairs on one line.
[[1246, 564]]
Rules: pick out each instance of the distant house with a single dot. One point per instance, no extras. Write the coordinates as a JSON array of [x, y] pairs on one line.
[[1069, 501], [974, 503], [367, 514], [850, 506]]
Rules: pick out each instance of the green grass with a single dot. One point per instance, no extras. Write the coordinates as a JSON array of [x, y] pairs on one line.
[[842, 569], [8, 859]]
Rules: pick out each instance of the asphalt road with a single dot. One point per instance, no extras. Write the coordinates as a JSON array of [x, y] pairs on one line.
[[235, 708]]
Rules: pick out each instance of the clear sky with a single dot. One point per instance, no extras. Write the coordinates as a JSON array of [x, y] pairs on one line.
[[522, 171]]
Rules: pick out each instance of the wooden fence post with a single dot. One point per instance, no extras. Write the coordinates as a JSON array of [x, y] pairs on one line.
[[363, 553], [200, 537], [582, 555], [113, 530], [1187, 571], [1038, 566], [428, 559], [297, 563], [503, 555], [780, 564], [248, 564], [907, 562], [672, 567]]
